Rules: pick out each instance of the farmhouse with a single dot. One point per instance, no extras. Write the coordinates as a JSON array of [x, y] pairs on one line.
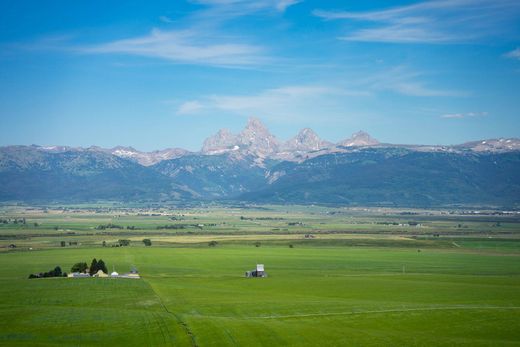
[[78, 275], [258, 272]]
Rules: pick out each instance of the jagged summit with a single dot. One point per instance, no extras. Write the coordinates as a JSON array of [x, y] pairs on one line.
[[361, 138], [222, 141], [255, 139], [306, 140]]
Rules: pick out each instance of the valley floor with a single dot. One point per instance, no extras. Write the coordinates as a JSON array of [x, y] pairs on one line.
[[358, 284]]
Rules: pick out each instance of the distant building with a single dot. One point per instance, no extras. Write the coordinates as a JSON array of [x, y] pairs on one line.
[[114, 274], [78, 275], [100, 273], [258, 272], [132, 274]]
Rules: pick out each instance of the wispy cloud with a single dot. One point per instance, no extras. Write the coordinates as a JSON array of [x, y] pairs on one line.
[[199, 38], [189, 107], [463, 115], [165, 19], [402, 80], [284, 102], [183, 46], [443, 21], [242, 7], [514, 54]]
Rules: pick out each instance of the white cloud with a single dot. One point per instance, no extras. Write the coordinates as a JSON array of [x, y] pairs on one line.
[[284, 102], [190, 107], [463, 115], [186, 46], [442, 21], [514, 54], [165, 19], [282, 5], [248, 6], [404, 81]]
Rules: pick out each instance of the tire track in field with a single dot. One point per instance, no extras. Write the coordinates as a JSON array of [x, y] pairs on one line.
[[179, 320], [396, 310]]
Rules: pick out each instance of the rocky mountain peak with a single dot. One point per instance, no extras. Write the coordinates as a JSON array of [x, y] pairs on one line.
[[305, 140], [221, 142], [255, 124], [257, 139], [361, 138]]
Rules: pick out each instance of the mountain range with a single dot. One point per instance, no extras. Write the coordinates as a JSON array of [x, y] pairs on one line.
[[255, 166]]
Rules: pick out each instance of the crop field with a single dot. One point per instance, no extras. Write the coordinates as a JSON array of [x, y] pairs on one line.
[[336, 277]]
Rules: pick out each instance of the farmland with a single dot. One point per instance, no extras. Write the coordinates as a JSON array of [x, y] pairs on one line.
[[335, 276]]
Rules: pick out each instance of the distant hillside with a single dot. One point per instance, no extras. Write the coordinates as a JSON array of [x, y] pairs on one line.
[[216, 176], [396, 177], [255, 166], [29, 174]]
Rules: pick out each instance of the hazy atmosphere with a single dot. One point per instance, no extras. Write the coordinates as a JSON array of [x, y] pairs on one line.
[[168, 74]]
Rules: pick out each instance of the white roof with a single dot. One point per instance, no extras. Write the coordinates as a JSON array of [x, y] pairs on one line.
[[259, 267], [114, 274]]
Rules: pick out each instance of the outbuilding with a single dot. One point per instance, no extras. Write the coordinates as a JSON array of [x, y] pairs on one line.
[[258, 272], [100, 273]]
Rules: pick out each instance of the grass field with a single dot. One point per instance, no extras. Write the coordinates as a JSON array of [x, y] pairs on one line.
[[342, 287]]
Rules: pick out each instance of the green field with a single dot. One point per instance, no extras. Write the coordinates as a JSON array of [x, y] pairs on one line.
[[358, 281]]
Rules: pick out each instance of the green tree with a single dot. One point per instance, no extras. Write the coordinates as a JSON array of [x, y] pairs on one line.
[[79, 267], [101, 266], [124, 242], [147, 242], [62, 243], [93, 267], [212, 243], [57, 271]]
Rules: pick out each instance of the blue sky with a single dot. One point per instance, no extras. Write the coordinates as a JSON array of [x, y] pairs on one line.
[[170, 73]]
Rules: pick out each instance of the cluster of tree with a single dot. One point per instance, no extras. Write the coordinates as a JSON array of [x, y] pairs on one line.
[[171, 226], [109, 226], [96, 265], [56, 272], [79, 267], [123, 242], [131, 227], [212, 243], [147, 242], [119, 243], [177, 218], [13, 220], [260, 218]]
